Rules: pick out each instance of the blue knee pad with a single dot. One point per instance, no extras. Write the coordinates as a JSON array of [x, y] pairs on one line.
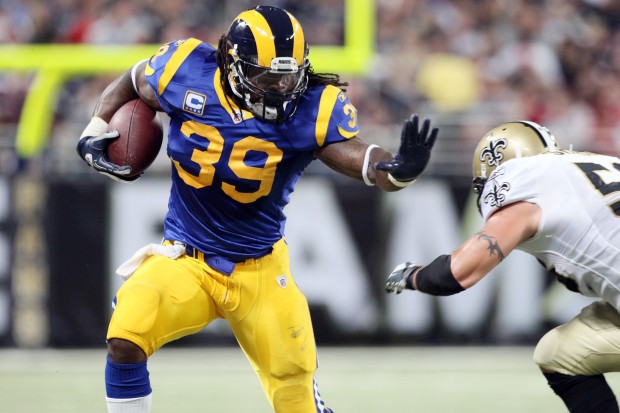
[[126, 381]]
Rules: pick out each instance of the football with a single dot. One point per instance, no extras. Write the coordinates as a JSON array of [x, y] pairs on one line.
[[141, 136]]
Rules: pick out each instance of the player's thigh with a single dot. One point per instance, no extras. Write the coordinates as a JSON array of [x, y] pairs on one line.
[[589, 344], [164, 300], [272, 323], [277, 337]]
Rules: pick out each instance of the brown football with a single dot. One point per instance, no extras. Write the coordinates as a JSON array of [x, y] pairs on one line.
[[141, 136]]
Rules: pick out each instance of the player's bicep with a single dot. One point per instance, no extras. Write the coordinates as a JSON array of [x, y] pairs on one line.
[[504, 231], [146, 92]]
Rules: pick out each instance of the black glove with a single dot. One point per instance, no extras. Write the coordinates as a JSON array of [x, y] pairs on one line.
[[400, 278], [93, 150], [413, 154]]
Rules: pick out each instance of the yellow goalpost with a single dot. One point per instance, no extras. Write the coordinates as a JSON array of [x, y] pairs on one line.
[[53, 64]]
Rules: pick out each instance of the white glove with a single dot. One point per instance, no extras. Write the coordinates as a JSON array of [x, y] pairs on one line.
[[399, 279]]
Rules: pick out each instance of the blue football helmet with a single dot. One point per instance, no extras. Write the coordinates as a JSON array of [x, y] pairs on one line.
[[267, 65]]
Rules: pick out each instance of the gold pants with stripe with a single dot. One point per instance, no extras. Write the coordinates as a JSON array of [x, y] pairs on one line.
[[166, 299]]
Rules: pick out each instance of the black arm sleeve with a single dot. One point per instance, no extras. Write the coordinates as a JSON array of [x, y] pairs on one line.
[[437, 278]]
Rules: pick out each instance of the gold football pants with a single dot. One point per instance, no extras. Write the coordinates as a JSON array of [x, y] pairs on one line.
[[588, 344], [166, 299]]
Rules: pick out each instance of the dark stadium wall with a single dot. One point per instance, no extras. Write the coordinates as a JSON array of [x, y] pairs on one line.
[[5, 261], [61, 240], [344, 238], [76, 236]]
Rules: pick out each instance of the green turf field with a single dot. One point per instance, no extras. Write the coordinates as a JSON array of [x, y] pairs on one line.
[[352, 380]]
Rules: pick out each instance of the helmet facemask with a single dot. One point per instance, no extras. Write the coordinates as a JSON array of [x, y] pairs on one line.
[[270, 93]]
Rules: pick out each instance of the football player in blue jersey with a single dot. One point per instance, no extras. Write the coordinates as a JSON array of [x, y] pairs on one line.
[[246, 118]]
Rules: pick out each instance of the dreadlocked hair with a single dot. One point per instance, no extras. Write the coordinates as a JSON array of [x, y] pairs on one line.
[[221, 57], [314, 79], [323, 79]]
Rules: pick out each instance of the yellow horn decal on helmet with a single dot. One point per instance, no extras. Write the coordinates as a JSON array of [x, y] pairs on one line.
[[266, 48], [299, 42]]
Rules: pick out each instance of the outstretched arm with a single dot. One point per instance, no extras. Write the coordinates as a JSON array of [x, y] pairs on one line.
[[375, 165], [505, 230]]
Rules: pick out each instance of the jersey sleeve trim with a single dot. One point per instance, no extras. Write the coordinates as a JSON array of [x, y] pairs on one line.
[[347, 134], [175, 62], [326, 106]]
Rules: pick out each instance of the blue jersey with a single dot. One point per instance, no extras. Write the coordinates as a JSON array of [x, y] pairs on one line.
[[232, 174]]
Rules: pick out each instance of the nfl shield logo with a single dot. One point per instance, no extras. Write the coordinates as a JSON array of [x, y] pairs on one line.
[[281, 280]]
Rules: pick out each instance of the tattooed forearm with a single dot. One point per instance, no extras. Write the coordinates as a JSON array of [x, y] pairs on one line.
[[493, 245]]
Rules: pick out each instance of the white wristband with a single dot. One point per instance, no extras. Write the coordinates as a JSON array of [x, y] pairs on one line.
[[96, 127], [365, 166], [400, 184]]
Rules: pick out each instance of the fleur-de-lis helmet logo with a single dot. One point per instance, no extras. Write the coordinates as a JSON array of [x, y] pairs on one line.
[[492, 153]]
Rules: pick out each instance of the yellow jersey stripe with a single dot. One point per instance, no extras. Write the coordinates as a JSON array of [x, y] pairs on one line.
[[265, 47], [326, 105], [227, 103], [347, 134], [175, 62]]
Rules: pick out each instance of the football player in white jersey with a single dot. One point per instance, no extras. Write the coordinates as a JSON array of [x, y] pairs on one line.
[[562, 207]]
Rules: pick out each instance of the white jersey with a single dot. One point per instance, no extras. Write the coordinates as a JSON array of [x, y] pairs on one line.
[[579, 232]]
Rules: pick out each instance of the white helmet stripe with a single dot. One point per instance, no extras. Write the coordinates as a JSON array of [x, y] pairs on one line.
[[548, 140]]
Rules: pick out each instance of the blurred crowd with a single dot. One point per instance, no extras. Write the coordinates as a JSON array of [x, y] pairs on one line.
[[555, 62], [468, 64], [147, 21]]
